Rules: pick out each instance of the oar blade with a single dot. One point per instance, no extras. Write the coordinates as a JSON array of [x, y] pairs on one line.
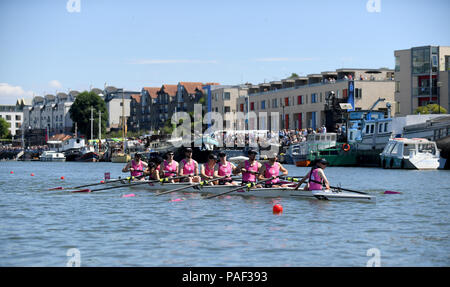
[[82, 190]]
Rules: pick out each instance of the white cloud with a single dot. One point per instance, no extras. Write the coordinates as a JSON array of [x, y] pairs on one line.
[[10, 94], [283, 59], [168, 61], [55, 84]]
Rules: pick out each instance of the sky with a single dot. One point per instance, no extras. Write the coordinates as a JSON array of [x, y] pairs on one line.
[[49, 46]]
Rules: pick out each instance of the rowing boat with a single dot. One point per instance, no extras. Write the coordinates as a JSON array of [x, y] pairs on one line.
[[332, 194]]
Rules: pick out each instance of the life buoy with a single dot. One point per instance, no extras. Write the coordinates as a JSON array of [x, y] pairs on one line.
[[346, 147]]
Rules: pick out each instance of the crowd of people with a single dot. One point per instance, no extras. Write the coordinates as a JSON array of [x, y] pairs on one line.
[[219, 171]]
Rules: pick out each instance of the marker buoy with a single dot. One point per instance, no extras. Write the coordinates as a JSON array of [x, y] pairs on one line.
[[129, 195], [62, 177], [277, 209], [102, 181], [32, 174], [11, 172]]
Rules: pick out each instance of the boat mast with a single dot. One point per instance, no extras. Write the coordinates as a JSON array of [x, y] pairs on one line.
[[123, 122]]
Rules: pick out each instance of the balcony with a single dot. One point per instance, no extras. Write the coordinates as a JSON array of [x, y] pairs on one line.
[[424, 92]]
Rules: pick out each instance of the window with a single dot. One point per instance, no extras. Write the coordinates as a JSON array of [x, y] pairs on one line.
[[385, 127], [286, 102], [226, 109], [8, 117], [241, 107], [447, 63], [299, 100], [397, 86], [226, 96], [252, 106], [397, 64], [263, 105], [313, 98], [274, 103], [17, 117]]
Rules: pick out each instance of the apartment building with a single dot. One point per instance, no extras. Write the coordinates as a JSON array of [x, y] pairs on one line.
[[118, 106], [422, 78], [300, 102], [13, 114], [50, 113], [223, 99]]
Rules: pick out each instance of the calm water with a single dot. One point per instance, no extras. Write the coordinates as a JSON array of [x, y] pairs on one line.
[[38, 226]]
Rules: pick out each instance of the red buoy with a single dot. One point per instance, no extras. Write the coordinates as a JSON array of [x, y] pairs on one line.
[[277, 208], [102, 181], [11, 172], [62, 177], [32, 174]]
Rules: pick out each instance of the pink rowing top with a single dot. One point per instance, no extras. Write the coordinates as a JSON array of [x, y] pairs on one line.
[[225, 170], [189, 169], [273, 170], [136, 167], [170, 169], [246, 176]]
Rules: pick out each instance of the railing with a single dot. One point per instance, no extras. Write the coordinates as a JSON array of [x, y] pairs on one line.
[[424, 91]]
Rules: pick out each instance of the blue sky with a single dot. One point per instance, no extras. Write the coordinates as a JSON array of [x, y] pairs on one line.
[[44, 48]]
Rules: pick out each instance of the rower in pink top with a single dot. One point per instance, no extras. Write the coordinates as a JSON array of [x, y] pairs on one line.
[[169, 167], [136, 167], [225, 168], [271, 170], [208, 169], [249, 168], [316, 176], [189, 166]]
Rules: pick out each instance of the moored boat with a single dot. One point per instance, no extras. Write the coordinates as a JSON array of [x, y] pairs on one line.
[[51, 155], [413, 153]]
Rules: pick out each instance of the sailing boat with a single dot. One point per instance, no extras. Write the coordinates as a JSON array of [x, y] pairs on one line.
[[120, 156]]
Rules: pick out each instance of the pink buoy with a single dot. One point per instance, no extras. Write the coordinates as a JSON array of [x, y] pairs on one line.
[[176, 200], [129, 195]]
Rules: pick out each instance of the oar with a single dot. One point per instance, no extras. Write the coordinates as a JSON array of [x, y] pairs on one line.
[[248, 185], [355, 191], [190, 185], [98, 183], [120, 186]]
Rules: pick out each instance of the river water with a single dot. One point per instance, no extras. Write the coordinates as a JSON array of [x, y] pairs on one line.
[[39, 227]]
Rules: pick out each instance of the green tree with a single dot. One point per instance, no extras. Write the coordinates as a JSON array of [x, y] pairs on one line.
[[430, 109], [293, 76], [4, 125], [80, 113]]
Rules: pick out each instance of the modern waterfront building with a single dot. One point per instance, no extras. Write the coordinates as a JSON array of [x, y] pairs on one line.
[[421, 78], [300, 101], [222, 99]]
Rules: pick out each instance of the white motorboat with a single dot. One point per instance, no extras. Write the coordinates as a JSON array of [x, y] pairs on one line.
[[415, 153], [51, 155]]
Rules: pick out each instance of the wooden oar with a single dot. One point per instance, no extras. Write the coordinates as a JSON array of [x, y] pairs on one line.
[[190, 185], [248, 186]]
